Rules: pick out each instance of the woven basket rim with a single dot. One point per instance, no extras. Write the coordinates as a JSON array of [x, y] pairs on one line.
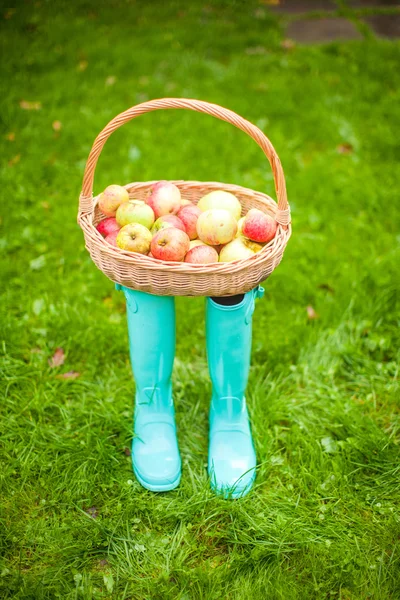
[[178, 266]]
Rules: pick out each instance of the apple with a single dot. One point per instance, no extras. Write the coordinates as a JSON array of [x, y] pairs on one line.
[[194, 243], [135, 211], [222, 200], [240, 226], [170, 244], [202, 255], [238, 249], [111, 198], [189, 215], [185, 202], [216, 226], [164, 199], [112, 238], [167, 221], [134, 237], [258, 226], [107, 226]]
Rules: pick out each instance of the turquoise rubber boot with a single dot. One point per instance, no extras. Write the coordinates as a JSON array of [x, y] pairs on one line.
[[231, 454], [151, 326]]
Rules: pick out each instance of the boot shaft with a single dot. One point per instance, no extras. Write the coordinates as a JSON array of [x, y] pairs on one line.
[[228, 339], [151, 331]]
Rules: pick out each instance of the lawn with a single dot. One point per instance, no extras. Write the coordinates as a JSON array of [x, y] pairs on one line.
[[323, 520]]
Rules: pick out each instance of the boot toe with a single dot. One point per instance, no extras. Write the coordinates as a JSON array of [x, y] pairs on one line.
[[155, 456], [232, 462]]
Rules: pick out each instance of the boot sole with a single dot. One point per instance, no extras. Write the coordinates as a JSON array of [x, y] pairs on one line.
[[158, 487]]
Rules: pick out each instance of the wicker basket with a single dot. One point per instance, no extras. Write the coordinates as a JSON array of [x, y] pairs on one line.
[[140, 272]]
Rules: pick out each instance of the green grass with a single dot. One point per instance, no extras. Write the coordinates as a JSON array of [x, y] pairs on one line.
[[323, 519]]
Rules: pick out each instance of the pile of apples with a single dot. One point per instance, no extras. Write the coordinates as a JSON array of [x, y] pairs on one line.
[[167, 227]]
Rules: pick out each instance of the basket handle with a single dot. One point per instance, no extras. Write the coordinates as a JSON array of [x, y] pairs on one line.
[[85, 200]]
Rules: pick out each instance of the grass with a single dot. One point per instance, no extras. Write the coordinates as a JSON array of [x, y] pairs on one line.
[[323, 518]]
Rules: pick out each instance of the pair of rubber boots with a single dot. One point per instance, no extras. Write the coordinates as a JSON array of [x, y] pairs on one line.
[[155, 453]]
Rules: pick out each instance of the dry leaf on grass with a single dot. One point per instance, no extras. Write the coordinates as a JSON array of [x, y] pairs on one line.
[[311, 313], [92, 511], [82, 66], [57, 359], [14, 160], [345, 148], [327, 287], [69, 375], [27, 105], [111, 80], [10, 136], [288, 44], [57, 125]]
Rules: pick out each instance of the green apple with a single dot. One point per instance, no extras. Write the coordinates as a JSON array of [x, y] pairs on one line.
[[240, 227], [216, 226], [134, 238], [135, 211], [222, 200], [194, 243], [238, 249]]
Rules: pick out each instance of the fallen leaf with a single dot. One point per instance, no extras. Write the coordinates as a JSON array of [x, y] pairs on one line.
[[57, 125], [311, 313], [103, 562], [45, 205], [288, 44], [68, 375], [92, 511], [345, 148], [82, 66], [27, 105], [57, 359], [255, 50], [327, 287], [10, 136], [270, 2], [111, 80], [15, 160], [35, 351], [127, 452]]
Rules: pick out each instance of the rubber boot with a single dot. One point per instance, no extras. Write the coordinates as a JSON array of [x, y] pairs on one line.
[[151, 326], [231, 453]]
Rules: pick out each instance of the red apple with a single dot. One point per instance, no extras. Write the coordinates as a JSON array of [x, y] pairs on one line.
[[134, 238], [167, 221], [258, 226], [107, 226], [202, 255], [216, 226], [189, 215], [112, 238], [164, 199], [111, 198], [170, 244]]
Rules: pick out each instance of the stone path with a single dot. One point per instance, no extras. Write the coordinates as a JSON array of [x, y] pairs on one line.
[[319, 21]]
